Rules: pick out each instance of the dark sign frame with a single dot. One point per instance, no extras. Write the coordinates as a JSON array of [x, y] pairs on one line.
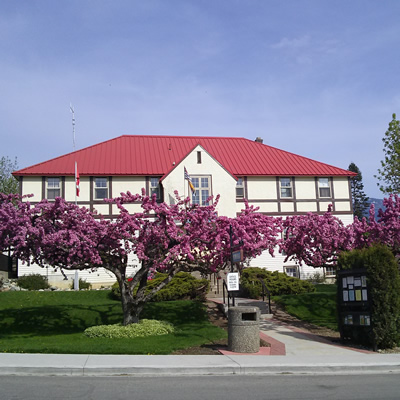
[[354, 306]]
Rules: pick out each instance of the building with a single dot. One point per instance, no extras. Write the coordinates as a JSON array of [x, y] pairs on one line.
[[278, 182]]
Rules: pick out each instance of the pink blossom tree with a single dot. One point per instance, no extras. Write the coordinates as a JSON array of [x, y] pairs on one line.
[[385, 229], [165, 238], [315, 239]]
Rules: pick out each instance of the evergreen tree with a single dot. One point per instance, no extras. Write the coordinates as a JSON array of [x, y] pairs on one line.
[[8, 184], [389, 174], [360, 200]]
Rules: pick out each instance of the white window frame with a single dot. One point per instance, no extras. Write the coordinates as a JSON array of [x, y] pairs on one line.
[[154, 187], [240, 188], [286, 186], [284, 238], [97, 188], [53, 186], [202, 190], [324, 184], [330, 272], [294, 268]]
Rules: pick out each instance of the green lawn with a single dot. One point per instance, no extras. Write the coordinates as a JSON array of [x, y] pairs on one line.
[[53, 322], [319, 307]]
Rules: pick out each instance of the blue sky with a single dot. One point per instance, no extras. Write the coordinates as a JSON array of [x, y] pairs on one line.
[[317, 78]]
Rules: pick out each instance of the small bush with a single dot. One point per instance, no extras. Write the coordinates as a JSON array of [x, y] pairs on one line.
[[146, 327], [33, 282], [277, 283], [83, 284], [183, 286], [316, 277]]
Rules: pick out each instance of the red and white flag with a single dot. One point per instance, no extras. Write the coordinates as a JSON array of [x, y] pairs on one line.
[[77, 179]]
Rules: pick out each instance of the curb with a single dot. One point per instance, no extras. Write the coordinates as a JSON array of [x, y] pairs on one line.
[[112, 365]]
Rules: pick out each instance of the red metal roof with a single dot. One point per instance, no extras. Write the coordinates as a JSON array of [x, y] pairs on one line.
[[157, 155]]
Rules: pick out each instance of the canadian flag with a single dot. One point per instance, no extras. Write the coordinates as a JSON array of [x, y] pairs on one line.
[[77, 179]]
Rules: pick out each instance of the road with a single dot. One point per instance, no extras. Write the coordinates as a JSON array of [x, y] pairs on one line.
[[280, 387]]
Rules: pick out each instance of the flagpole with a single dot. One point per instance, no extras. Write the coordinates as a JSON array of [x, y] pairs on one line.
[[73, 147], [76, 279]]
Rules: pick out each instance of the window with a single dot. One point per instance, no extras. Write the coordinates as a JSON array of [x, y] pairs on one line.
[[155, 187], [202, 191], [53, 188], [291, 271], [324, 187], [286, 187], [239, 188], [330, 271], [100, 188], [199, 157], [286, 236]]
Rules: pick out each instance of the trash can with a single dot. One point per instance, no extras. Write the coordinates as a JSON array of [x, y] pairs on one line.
[[244, 329]]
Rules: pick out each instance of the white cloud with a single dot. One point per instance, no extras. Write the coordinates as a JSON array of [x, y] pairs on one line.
[[296, 43]]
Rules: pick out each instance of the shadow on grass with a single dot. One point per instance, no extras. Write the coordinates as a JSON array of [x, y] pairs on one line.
[[177, 312], [64, 319], [316, 308], [60, 319]]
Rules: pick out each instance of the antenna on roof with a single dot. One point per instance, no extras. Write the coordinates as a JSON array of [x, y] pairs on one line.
[[73, 125]]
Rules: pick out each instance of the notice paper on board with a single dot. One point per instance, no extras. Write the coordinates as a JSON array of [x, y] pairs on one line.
[[233, 281]]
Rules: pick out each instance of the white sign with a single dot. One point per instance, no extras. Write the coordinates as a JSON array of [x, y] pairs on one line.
[[233, 281]]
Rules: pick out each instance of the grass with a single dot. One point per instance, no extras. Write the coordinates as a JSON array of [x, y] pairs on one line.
[[318, 308], [53, 322]]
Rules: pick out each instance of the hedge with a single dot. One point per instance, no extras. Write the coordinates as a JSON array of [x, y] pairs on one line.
[[182, 286], [277, 283]]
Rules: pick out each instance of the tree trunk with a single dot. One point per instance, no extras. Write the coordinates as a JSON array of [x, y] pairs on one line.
[[132, 305]]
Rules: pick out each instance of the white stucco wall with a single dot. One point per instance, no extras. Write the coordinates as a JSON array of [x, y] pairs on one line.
[[123, 184], [32, 185], [341, 187], [222, 182], [305, 188], [263, 187]]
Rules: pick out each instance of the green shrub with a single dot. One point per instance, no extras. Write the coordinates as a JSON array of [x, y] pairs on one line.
[[183, 286], [316, 277], [83, 284], [277, 283], [383, 282], [33, 282], [146, 327]]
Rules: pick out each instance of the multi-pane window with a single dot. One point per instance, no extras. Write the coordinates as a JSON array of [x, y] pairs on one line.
[[330, 271], [240, 188], [292, 271], [53, 188], [202, 191], [286, 187], [155, 187], [285, 236], [100, 188], [324, 187]]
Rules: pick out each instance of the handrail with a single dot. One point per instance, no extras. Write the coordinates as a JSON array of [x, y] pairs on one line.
[[265, 289], [225, 286]]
